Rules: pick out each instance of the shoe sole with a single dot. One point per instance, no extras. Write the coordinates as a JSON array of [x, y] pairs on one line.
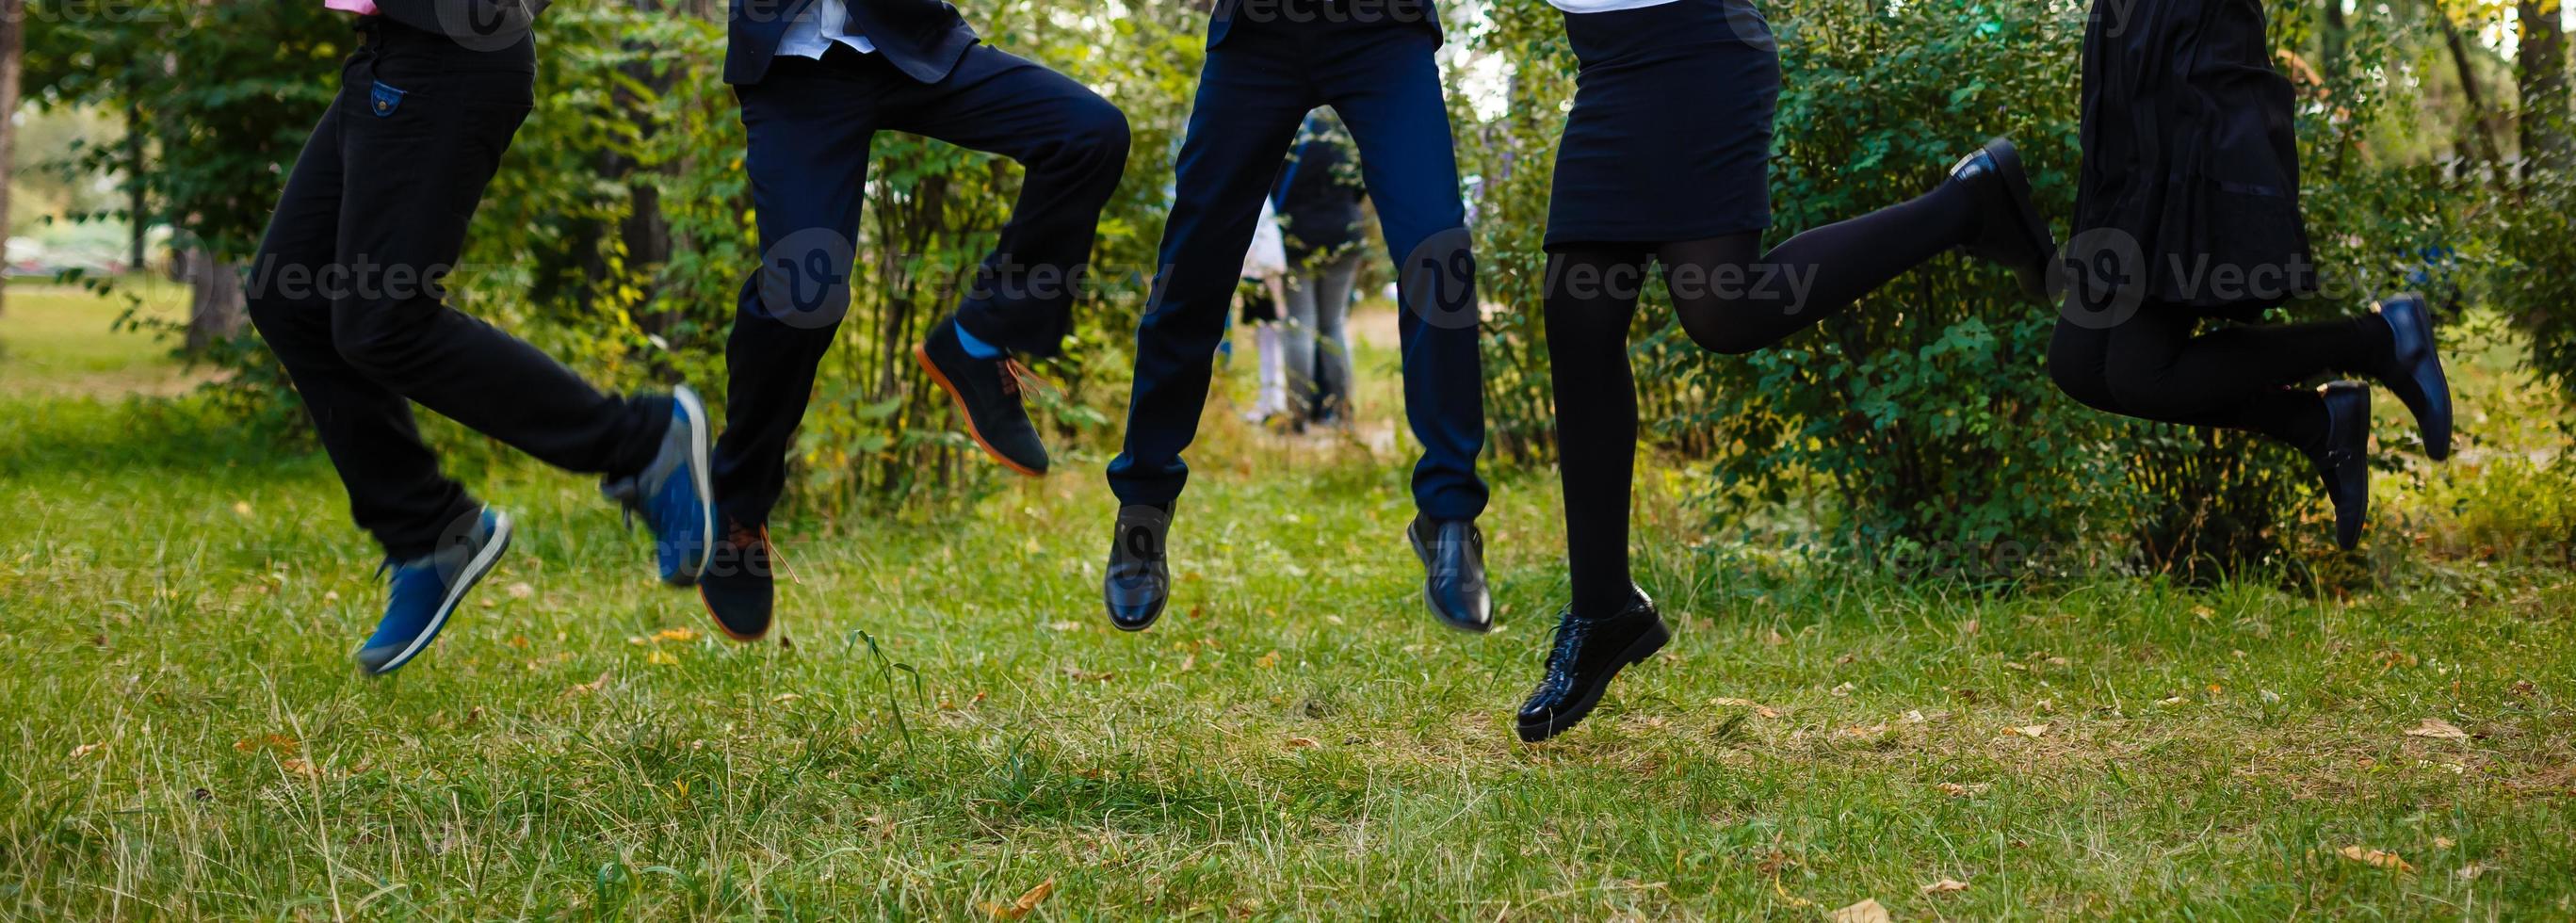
[[2034, 229], [701, 468], [1424, 553], [1637, 652], [475, 571], [728, 632], [921, 354]]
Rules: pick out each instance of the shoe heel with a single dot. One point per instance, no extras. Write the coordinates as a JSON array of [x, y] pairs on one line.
[[1647, 644]]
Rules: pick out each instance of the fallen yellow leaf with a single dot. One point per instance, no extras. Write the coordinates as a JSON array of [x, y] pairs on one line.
[[86, 749], [1302, 743], [2376, 858], [2032, 731], [1020, 908], [589, 687], [1266, 661], [681, 635], [661, 659], [1945, 886], [1867, 911]]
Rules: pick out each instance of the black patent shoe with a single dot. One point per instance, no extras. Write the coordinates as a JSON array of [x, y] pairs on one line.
[[1589, 652], [1139, 584], [2414, 371], [2345, 464], [2010, 231], [1453, 564]]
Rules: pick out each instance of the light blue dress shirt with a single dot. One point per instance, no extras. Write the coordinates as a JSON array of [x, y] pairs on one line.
[[814, 31]]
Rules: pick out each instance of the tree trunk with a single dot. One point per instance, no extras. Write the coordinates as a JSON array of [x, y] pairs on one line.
[[2337, 37], [13, 53], [2481, 122], [2541, 65], [216, 311]]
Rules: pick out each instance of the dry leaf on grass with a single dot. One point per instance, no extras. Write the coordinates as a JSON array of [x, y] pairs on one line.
[[1302, 743], [1842, 691], [784, 698], [681, 635], [2474, 871], [1027, 902], [1867, 911], [2443, 842], [521, 591], [2376, 858], [661, 659], [278, 742], [1081, 675], [86, 749], [2032, 731], [1956, 790], [1064, 626], [589, 687], [1266, 661], [1945, 886], [301, 768], [2437, 729]]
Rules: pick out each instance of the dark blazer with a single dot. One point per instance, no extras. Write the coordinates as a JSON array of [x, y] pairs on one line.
[[466, 20], [1421, 14], [922, 38]]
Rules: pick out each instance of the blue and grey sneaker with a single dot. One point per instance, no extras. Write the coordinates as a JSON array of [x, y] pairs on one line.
[[427, 589], [676, 494]]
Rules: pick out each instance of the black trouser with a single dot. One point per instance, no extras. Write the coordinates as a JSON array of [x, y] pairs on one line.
[[2152, 367], [810, 124], [1732, 298], [347, 289]]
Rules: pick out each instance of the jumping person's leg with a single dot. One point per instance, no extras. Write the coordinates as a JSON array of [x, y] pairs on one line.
[[349, 291], [1734, 299], [1387, 91], [1073, 145], [1591, 300], [1252, 96], [396, 491], [2236, 376], [809, 125], [1610, 624]]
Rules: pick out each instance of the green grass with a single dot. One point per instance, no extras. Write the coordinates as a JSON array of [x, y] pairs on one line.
[[55, 340], [954, 722]]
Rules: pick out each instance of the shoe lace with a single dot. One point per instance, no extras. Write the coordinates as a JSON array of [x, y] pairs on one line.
[[749, 537], [1017, 379]]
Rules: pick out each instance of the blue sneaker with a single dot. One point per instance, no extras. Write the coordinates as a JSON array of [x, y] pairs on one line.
[[426, 590], [676, 494]]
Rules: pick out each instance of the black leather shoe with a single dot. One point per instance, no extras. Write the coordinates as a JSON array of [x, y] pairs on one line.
[[1453, 560], [2010, 231], [2345, 464], [987, 392], [1589, 652], [738, 586], [1140, 577], [2414, 371]]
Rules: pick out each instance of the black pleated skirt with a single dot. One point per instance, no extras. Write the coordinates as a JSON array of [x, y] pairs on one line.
[[2188, 199], [1670, 138]]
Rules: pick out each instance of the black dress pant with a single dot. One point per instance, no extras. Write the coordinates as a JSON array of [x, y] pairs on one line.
[[810, 123], [347, 288]]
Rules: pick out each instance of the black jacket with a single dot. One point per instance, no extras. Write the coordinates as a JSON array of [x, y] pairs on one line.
[[1320, 192], [1422, 14], [2189, 194], [922, 38], [497, 22]]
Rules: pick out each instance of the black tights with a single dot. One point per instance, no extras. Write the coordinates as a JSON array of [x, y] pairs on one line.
[[2240, 377], [1732, 298]]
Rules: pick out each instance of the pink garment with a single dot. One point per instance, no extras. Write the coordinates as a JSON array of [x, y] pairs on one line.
[[360, 7]]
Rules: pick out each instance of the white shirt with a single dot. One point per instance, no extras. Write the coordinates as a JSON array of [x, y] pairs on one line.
[[814, 31], [1604, 6]]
